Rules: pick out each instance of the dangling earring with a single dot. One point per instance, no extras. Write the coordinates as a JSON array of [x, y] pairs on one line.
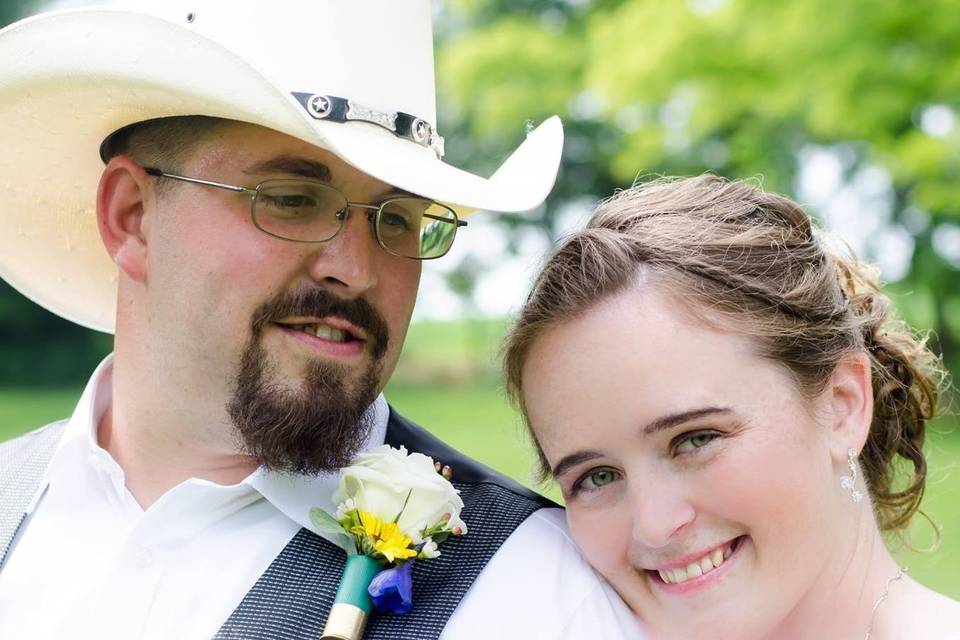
[[849, 482]]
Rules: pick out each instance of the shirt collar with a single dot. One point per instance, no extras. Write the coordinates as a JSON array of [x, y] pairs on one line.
[[291, 494], [78, 445], [296, 494]]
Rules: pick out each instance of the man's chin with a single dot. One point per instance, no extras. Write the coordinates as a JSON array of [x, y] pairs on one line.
[[312, 421]]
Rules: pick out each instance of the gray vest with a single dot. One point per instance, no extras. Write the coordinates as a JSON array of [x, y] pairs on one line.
[[292, 598]]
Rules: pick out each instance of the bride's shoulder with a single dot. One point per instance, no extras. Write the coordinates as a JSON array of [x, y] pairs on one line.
[[924, 613], [946, 613]]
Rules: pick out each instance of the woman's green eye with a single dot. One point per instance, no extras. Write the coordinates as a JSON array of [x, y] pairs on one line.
[[695, 441], [599, 478]]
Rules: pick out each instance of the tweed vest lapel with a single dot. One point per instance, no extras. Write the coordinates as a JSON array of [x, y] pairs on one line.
[[292, 598], [23, 463]]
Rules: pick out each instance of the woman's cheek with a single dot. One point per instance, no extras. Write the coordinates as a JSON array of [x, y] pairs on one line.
[[602, 534]]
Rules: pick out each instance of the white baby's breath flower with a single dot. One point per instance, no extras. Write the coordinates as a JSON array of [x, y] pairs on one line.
[[344, 508], [429, 549], [456, 525], [417, 535]]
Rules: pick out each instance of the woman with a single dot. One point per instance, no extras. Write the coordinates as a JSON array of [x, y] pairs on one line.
[[723, 402]]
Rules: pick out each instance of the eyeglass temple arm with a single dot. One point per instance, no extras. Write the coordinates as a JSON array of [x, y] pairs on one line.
[[460, 223], [219, 185]]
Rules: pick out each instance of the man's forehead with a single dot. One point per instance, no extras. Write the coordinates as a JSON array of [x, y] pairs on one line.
[[264, 153]]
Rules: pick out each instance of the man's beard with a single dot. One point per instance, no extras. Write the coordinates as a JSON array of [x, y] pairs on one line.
[[321, 424]]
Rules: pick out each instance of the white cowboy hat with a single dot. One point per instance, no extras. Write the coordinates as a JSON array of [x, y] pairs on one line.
[[352, 76]]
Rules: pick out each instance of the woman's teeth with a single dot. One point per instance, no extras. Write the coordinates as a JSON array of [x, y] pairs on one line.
[[326, 332], [706, 564]]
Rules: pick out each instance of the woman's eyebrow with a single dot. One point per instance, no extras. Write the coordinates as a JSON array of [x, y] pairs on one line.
[[666, 422], [569, 461]]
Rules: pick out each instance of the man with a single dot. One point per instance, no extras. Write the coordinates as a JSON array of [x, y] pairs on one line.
[[270, 183]]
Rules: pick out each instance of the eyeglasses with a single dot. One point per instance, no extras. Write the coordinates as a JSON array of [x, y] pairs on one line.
[[311, 211]]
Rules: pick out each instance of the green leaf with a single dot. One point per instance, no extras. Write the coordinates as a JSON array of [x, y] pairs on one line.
[[405, 501], [325, 522]]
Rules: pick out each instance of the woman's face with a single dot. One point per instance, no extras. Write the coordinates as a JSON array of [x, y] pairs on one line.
[[696, 478]]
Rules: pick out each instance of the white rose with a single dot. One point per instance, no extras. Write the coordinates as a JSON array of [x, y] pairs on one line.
[[380, 480]]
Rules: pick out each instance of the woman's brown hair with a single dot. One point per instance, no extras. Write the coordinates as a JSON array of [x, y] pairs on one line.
[[753, 262]]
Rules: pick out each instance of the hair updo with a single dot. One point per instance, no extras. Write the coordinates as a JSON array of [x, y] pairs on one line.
[[754, 261]]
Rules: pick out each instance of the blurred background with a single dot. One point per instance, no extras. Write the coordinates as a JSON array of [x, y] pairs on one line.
[[849, 107]]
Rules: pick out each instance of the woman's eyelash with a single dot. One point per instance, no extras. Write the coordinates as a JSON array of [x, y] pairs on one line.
[[578, 485], [689, 443], [696, 439]]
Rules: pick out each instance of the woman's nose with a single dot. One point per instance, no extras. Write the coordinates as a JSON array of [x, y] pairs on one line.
[[659, 514]]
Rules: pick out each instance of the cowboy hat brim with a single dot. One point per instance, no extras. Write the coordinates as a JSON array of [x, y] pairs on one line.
[[65, 89]]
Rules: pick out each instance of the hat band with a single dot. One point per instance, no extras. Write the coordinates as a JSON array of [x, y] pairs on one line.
[[402, 125]]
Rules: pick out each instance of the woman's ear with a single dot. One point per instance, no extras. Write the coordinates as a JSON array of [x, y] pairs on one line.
[[122, 199], [850, 399]]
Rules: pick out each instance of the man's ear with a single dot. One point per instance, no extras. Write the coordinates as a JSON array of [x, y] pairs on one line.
[[122, 199], [850, 399]]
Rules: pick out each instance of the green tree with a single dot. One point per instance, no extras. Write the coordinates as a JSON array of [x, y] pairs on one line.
[[739, 87], [10, 11]]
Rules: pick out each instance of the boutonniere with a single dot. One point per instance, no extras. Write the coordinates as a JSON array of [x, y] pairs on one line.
[[393, 509]]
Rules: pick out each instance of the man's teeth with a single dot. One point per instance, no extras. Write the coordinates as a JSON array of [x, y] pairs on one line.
[[706, 564], [326, 332]]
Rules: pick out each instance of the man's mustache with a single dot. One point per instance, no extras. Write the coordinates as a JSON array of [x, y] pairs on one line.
[[320, 303]]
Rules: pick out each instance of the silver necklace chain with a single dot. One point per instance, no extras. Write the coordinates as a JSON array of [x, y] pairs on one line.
[[883, 596]]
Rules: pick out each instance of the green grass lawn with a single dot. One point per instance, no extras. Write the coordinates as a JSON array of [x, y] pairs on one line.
[[478, 421], [22, 410]]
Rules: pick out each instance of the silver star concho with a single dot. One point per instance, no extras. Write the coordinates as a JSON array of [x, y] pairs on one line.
[[319, 106]]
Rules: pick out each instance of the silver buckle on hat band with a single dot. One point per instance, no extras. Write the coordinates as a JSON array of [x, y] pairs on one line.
[[359, 112], [402, 125]]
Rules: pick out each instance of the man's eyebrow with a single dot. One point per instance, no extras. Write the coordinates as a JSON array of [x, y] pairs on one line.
[[292, 165], [675, 419], [306, 168]]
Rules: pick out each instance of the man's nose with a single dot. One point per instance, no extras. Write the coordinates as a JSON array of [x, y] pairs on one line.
[[348, 262], [659, 514]]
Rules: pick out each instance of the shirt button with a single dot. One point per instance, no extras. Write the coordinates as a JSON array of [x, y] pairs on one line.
[[143, 557]]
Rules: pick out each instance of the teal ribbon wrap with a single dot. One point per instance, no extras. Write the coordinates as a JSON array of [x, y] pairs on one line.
[[357, 576]]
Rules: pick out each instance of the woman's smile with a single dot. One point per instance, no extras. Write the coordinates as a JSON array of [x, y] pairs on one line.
[[687, 575]]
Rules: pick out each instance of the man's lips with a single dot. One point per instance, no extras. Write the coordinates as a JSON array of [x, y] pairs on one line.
[[328, 328], [318, 317], [325, 341]]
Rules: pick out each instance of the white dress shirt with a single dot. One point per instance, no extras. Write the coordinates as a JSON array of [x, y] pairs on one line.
[[89, 562]]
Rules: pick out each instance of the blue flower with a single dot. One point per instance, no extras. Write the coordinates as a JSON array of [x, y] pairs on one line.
[[392, 589]]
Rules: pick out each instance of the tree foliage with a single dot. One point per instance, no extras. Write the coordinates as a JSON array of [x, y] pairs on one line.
[[738, 87]]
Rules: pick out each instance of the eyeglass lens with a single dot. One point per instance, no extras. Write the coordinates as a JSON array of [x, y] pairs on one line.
[[307, 212]]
